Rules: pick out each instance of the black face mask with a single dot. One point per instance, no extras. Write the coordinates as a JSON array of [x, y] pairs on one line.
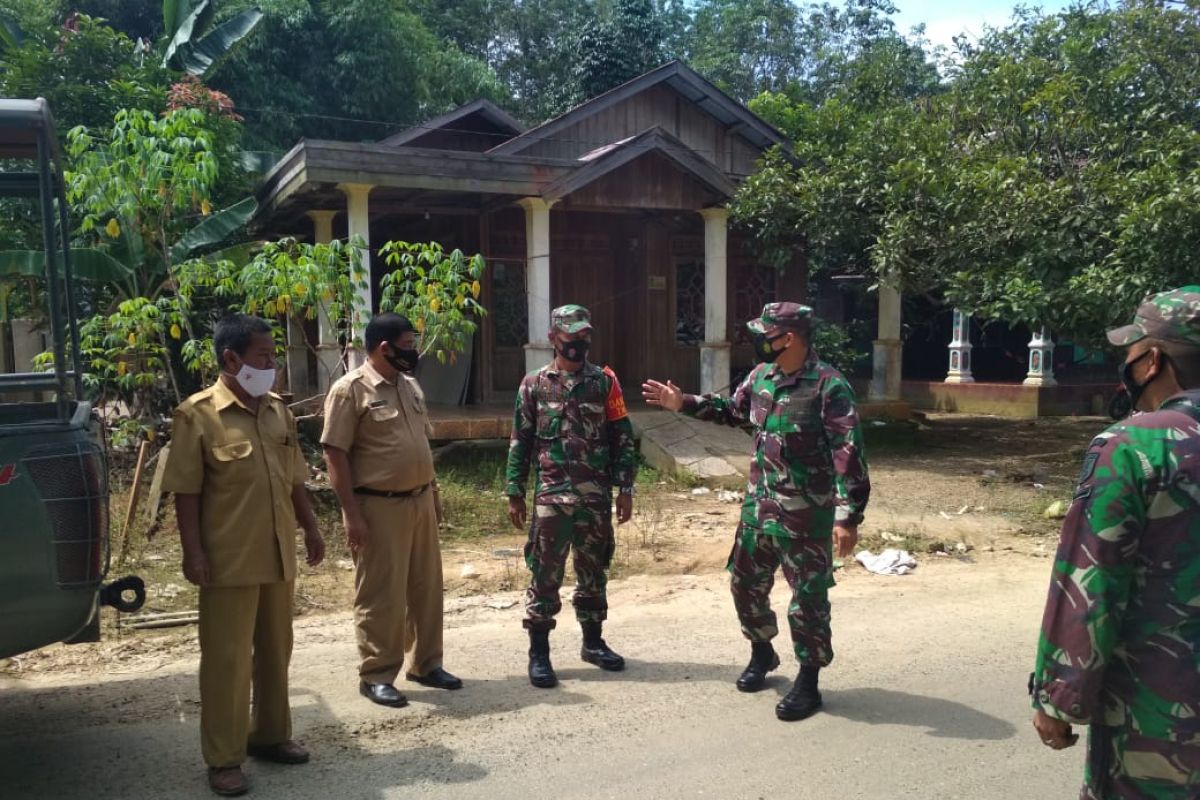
[[575, 352], [764, 347], [402, 360], [1132, 388]]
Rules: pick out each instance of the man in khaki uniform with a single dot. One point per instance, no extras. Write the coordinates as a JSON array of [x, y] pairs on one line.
[[376, 442], [237, 472]]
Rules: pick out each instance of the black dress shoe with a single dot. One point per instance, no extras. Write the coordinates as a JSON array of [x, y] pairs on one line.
[[382, 693], [436, 678]]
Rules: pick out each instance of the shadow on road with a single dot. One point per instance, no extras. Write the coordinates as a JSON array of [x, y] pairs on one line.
[[943, 718], [140, 738]]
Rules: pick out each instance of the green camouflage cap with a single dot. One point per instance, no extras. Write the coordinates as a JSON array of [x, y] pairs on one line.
[[571, 319], [783, 315], [1172, 316]]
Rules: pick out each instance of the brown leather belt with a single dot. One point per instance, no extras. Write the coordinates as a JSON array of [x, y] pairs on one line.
[[420, 490]]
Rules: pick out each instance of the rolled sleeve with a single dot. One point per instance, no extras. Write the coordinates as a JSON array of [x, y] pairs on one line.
[[341, 418], [184, 471]]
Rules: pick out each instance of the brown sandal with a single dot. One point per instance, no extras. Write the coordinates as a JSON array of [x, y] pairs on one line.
[[228, 781]]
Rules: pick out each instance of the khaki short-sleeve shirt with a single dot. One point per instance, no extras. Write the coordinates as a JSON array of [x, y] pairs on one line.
[[384, 427], [243, 465]]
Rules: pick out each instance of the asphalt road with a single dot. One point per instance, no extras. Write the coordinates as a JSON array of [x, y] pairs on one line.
[[925, 700]]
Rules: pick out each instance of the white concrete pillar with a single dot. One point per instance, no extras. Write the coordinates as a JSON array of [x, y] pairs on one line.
[[329, 352], [1041, 360], [538, 351], [714, 353], [885, 362], [28, 342], [960, 350], [358, 223]]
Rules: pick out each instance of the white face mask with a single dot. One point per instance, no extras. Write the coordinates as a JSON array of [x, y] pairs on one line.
[[256, 382]]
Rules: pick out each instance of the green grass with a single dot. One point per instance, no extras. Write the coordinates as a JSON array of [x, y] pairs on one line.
[[471, 477]]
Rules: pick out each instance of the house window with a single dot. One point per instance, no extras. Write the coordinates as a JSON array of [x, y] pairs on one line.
[[754, 288], [689, 301], [510, 307]]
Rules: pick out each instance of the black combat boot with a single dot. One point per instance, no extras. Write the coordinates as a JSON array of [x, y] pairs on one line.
[[804, 699], [763, 659], [541, 673], [595, 651]]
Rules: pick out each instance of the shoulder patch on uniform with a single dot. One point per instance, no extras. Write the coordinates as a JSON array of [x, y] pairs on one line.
[[1089, 466]]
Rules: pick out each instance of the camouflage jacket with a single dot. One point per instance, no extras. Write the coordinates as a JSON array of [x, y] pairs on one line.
[[808, 467], [575, 428], [1120, 639]]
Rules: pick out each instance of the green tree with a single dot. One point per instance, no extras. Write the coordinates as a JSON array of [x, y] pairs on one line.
[[346, 69], [748, 46], [617, 49], [87, 72]]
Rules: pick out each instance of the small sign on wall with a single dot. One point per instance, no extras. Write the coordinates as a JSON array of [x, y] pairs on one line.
[[658, 283]]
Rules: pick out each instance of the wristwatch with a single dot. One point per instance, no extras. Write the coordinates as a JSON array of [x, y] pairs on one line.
[[627, 490]]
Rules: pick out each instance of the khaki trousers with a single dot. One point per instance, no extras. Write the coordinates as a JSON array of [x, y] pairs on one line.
[[398, 588], [245, 639]]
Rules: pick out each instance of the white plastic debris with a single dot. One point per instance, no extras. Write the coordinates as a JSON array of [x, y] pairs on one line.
[[701, 490], [889, 562], [726, 496], [468, 571]]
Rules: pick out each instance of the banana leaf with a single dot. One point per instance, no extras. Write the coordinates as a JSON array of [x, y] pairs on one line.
[[11, 35], [214, 230], [259, 161], [87, 263], [198, 57], [174, 13], [192, 26]]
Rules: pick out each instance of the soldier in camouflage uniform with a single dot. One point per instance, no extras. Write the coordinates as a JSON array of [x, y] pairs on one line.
[[570, 421], [808, 484], [1120, 641]]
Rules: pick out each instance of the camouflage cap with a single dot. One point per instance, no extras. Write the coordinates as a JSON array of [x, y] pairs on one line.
[[1172, 316], [783, 315], [570, 319]]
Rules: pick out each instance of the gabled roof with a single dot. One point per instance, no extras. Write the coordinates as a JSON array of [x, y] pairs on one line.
[[680, 77], [484, 109], [609, 158]]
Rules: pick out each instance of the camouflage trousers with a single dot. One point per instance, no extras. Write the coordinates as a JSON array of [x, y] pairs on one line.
[[1122, 764], [807, 564], [555, 531]]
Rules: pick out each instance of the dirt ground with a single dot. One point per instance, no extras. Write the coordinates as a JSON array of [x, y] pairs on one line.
[[924, 700], [947, 487]]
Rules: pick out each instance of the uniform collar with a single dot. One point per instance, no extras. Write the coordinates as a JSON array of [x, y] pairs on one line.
[[375, 378], [589, 370], [1188, 397], [223, 397], [807, 371]]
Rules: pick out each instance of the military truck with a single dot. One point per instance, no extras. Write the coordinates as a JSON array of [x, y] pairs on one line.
[[54, 524]]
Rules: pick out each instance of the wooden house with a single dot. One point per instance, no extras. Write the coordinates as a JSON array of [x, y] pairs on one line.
[[618, 204]]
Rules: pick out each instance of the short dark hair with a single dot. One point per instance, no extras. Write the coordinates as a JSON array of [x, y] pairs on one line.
[[1185, 359], [234, 332], [385, 327]]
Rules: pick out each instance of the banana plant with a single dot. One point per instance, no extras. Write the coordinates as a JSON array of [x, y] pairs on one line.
[[195, 45]]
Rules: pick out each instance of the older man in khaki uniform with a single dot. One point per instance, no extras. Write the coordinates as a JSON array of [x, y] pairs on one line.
[[237, 472], [376, 442]]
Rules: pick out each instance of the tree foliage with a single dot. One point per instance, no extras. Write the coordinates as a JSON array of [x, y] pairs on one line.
[[1051, 180]]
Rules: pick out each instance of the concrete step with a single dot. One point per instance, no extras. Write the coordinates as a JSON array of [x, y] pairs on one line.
[[717, 455]]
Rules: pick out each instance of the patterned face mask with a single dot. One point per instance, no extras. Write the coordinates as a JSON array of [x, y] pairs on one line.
[[764, 346]]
